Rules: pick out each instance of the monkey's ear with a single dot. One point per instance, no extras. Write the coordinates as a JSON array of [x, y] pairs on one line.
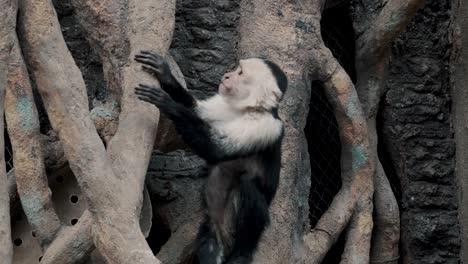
[[278, 96]]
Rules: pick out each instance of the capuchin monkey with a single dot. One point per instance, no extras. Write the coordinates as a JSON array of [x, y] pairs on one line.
[[238, 133]]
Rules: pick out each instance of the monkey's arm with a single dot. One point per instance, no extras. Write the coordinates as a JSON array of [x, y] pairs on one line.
[[196, 132], [156, 65]]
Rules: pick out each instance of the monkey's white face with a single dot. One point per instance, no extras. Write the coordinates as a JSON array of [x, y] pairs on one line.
[[250, 85], [231, 84]]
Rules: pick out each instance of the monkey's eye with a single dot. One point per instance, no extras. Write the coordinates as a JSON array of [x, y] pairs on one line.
[[240, 73]]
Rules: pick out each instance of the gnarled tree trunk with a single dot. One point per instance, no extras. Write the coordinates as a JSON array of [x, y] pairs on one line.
[[7, 25]]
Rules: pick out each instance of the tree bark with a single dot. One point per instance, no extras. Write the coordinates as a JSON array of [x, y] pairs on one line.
[[23, 128], [7, 25], [352, 203], [116, 227], [372, 52]]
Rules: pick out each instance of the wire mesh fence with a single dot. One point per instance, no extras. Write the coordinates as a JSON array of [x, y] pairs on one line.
[[324, 152], [8, 153], [322, 130]]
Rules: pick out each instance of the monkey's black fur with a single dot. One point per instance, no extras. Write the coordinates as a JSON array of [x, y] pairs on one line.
[[248, 194]]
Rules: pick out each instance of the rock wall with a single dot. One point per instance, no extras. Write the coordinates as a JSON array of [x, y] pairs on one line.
[[417, 133], [85, 57], [204, 44], [459, 77]]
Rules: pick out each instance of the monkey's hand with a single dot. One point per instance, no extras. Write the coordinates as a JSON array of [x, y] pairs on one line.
[[156, 65], [156, 96]]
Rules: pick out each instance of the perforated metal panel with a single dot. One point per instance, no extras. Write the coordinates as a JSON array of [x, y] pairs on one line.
[[69, 205]]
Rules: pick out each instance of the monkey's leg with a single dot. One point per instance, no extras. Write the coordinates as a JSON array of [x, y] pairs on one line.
[[215, 236], [219, 195], [252, 218], [206, 246]]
